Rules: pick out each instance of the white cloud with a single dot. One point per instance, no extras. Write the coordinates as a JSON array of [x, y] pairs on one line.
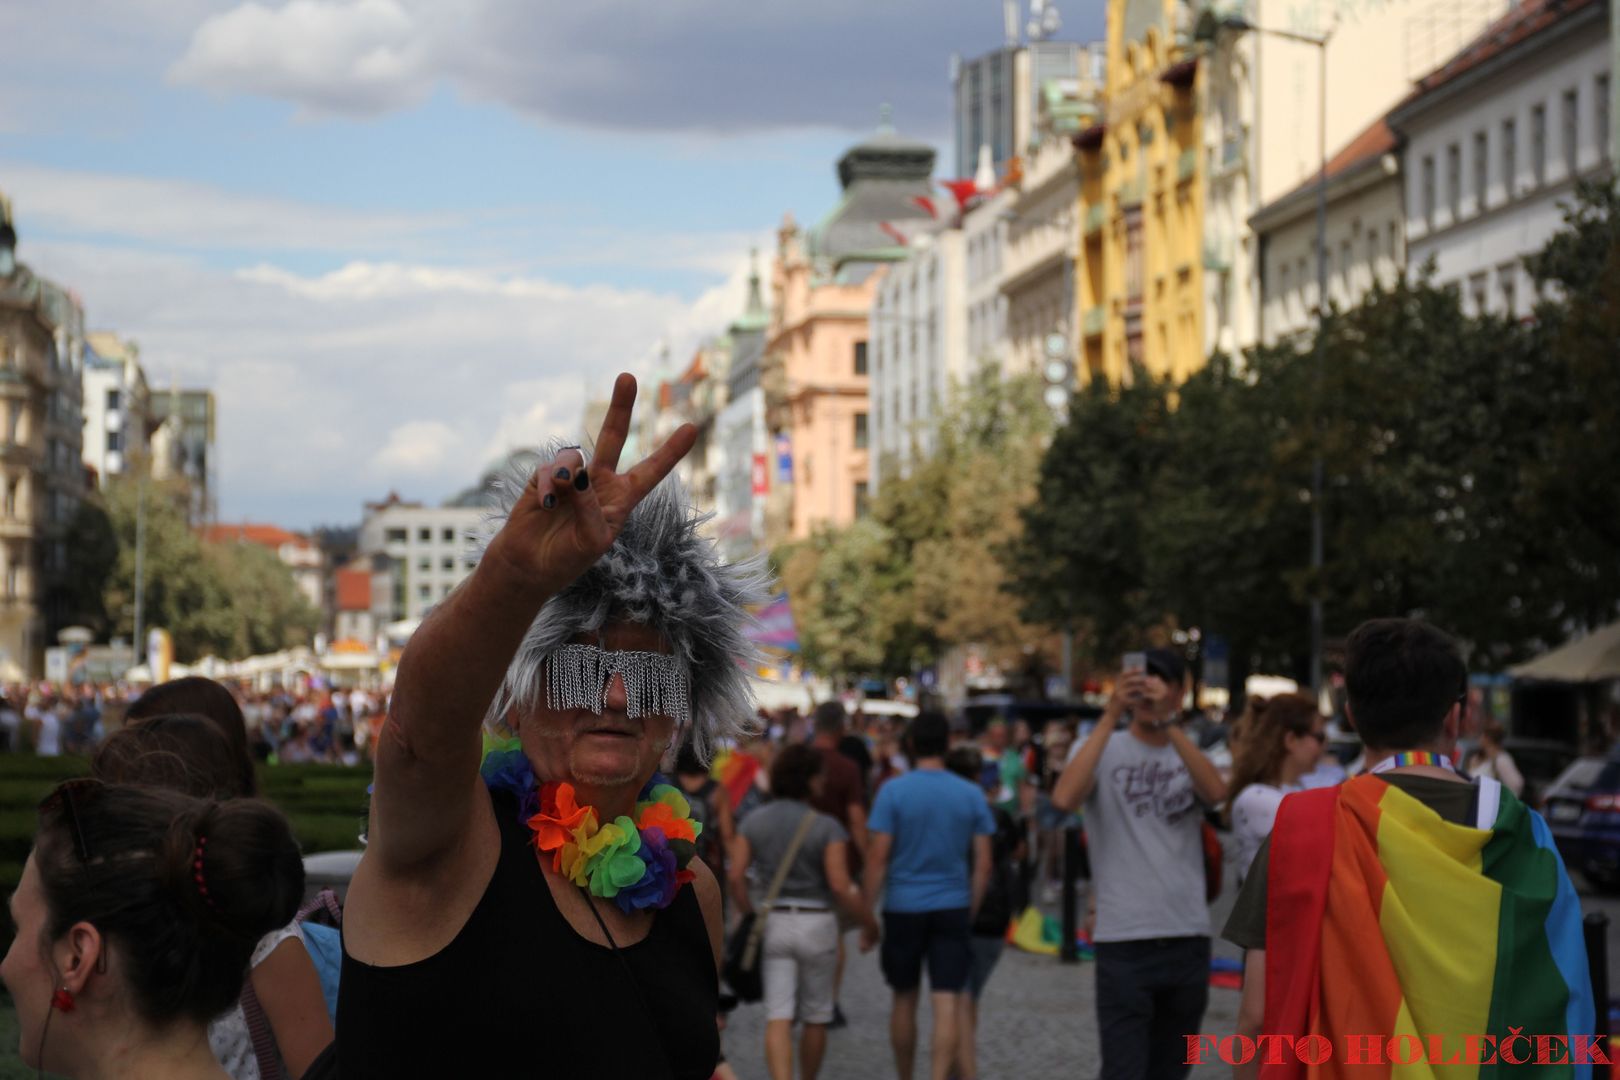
[[700, 65], [186, 214], [333, 389], [376, 47], [418, 446]]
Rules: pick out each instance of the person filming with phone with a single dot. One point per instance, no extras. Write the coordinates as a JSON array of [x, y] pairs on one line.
[[1144, 793]]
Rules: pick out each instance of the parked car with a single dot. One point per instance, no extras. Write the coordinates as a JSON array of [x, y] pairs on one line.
[[1582, 807]]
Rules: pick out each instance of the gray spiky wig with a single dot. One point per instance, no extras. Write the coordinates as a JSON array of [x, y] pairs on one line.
[[661, 573]]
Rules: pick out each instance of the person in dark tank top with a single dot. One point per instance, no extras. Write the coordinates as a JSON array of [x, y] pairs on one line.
[[539, 907]]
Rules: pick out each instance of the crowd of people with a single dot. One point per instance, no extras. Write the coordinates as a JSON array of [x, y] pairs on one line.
[[310, 723], [536, 896]]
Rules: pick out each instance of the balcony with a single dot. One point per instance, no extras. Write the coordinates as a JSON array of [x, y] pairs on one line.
[[1096, 216], [1130, 192], [1232, 153], [1093, 321]]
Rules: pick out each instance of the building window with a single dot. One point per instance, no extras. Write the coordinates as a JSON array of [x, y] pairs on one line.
[[1507, 282], [1510, 157], [449, 535], [1482, 169], [1572, 132], [448, 563], [395, 536], [1454, 180], [1600, 91], [860, 431], [424, 535], [860, 358], [11, 499], [1538, 143], [861, 498], [1427, 196], [112, 399], [424, 563], [1477, 292], [425, 592], [115, 441]]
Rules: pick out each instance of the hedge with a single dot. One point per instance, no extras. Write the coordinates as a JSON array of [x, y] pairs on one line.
[[325, 803]]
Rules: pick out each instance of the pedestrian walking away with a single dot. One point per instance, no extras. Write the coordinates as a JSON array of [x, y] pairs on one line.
[[1446, 899], [930, 844]]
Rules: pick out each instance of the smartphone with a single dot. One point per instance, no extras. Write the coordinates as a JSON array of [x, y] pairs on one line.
[[1135, 663]]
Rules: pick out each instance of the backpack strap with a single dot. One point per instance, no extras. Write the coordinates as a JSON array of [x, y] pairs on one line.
[[259, 1033]]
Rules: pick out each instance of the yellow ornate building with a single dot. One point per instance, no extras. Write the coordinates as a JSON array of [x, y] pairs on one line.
[[1140, 273]]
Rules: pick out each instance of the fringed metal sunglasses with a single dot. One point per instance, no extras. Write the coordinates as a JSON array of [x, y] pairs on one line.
[[655, 684]]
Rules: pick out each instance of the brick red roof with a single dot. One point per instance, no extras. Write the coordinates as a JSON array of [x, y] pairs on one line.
[[1524, 21], [270, 536], [353, 588], [1374, 142]]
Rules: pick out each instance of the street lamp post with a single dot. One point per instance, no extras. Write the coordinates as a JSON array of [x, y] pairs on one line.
[[1209, 26]]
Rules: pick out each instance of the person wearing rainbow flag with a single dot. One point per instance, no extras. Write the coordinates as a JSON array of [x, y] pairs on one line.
[[1408, 918], [543, 913]]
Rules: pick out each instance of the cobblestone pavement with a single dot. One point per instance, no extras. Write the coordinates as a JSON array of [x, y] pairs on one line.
[[1037, 1019]]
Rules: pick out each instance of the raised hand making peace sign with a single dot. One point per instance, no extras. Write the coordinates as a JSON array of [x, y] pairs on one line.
[[571, 512]]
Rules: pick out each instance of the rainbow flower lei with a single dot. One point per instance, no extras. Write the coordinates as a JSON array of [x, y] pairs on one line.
[[637, 864]]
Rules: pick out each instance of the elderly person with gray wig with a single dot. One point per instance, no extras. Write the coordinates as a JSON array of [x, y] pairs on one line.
[[543, 913]]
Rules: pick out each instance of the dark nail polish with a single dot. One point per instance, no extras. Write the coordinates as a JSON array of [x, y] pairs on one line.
[[549, 501], [563, 474], [582, 481]]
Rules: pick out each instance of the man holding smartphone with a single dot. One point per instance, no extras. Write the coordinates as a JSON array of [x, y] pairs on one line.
[[1144, 795]]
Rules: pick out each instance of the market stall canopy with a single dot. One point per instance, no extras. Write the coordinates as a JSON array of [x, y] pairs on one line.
[[1593, 658]]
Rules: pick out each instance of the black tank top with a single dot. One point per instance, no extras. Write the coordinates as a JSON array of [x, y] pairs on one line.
[[520, 993]]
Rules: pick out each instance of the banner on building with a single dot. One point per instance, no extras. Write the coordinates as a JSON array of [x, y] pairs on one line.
[[159, 653], [775, 628], [762, 475], [784, 459]]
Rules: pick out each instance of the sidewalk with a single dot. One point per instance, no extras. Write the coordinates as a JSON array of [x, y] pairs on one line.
[[1037, 1020]]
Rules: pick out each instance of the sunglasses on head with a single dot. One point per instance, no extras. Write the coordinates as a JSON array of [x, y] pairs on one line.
[[67, 798]]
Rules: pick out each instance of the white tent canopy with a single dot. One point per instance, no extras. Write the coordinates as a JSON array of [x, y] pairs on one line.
[[1593, 658]]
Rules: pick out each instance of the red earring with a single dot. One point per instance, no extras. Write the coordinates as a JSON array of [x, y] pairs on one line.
[[63, 1000]]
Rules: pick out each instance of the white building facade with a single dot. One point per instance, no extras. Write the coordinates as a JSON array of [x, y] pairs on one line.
[[918, 348], [1042, 238], [1264, 100], [1495, 142], [984, 250], [1365, 237], [116, 405], [431, 547]]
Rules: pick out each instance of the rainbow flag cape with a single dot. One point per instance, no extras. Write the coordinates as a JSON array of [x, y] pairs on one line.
[[1383, 919]]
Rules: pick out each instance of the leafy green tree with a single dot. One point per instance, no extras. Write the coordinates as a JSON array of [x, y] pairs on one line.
[[92, 554], [224, 599], [1080, 559], [1578, 352]]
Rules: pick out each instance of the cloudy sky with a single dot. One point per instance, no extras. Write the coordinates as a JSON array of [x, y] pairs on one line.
[[400, 237]]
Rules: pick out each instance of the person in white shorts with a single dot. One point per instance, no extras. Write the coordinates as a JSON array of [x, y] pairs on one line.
[[801, 928]]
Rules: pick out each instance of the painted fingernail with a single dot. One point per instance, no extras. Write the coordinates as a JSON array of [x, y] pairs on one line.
[[582, 481], [563, 474], [549, 501]]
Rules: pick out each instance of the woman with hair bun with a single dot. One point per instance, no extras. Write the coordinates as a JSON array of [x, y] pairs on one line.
[[136, 916], [190, 753]]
